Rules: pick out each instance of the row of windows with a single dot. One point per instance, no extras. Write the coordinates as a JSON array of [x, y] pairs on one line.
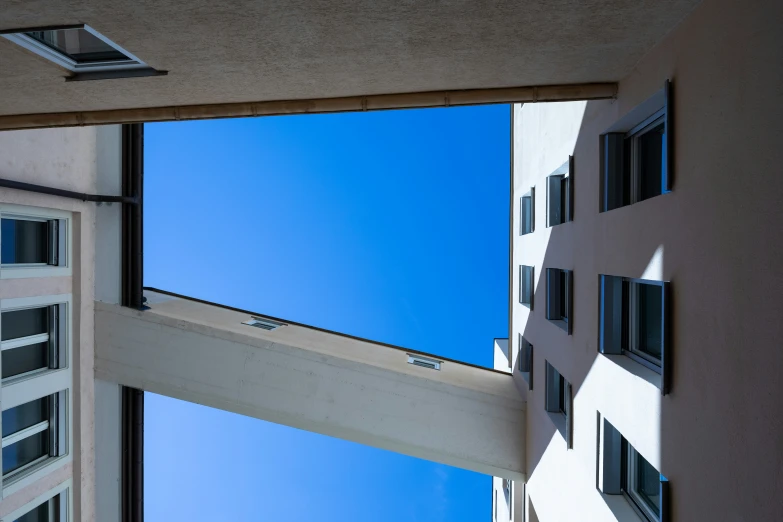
[[635, 165], [35, 374], [633, 314]]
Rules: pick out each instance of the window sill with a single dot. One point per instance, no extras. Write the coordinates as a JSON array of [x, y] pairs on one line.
[[114, 74], [560, 324], [635, 368], [560, 422]]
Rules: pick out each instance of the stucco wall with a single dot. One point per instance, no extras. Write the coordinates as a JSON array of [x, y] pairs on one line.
[[717, 436], [63, 158]]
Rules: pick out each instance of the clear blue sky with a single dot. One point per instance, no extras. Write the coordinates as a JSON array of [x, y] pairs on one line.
[[387, 225]]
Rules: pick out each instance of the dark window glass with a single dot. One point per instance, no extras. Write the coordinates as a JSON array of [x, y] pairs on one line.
[[562, 394], [648, 484], [564, 295], [651, 162], [25, 451], [79, 45], [24, 241], [650, 309], [23, 323], [17, 361], [526, 290], [39, 514], [23, 416]]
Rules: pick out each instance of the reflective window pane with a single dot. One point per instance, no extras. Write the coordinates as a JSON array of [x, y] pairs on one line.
[[79, 45], [25, 359], [648, 484], [24, 416], [39, 514], [23, 241], [650, 318], [25, 451], [651, 162], [23, 323]]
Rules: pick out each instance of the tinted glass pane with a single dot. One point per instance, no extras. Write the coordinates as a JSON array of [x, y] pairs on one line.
[[39, 514], [562, 394], [23, 323], [78, 44], [25, 359], [651, 162], [650, 308], [648, 483], [526, 294], [563, 295], [24, 241], [25, 451], [24, 416], [527, 214]]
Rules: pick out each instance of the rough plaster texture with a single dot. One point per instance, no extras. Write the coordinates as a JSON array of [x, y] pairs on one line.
[[318, 381], [717, 436], [218, 52], [62, 158]]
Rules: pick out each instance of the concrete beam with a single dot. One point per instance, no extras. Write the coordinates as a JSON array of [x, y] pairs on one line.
[[319, 381]]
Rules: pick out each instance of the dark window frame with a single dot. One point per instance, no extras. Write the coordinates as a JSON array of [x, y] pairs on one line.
[[558, 402], [527, 225], [527, 279], [560, 195], [525, 360], [619, 156], [614, 329], [559, 295]]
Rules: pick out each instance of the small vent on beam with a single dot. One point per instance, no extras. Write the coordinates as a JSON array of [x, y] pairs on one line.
[[424, 362], [264, 324]]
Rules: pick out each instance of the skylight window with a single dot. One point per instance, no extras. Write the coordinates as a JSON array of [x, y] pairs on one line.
[[80, 49]]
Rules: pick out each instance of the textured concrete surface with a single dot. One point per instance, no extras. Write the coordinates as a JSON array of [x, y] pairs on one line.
[[317, 381], [253, 51]]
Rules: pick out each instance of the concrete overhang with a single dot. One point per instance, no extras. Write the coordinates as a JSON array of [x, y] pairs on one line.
[[248, 51], [316, 380]]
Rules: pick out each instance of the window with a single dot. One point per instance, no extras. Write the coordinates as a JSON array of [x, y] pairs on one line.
[[558, 402], [424, 362], [633, 320], [33, 242], [35, 338], [32, 433], [52, 506], [527, 212], [526, 285], [81, 49], [636, 157], [31, 341], [560, 195], [624, 471], [508, 493], [559, 306], [525, 359], [29, 241]]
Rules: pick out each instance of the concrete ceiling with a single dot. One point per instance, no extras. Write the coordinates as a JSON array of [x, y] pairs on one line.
[[239, 51]]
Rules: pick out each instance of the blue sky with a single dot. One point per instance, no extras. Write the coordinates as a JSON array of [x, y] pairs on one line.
[[387, 225]]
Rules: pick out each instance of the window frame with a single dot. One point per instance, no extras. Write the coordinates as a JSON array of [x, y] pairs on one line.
[[559, 297], [17, 391], [615, 323], [523, 220], [531, 283], [525, 360], [64, 241], [558, 403], [62, 490], [612, 472], [56, 336], [620, 178], [19, 37], [629, 485], [561, 182]]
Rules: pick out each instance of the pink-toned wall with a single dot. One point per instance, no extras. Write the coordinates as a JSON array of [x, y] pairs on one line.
[[718, 436], [68, 159]]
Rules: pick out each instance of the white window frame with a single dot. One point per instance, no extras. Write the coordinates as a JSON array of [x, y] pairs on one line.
[[61, 341], [14, 271], [66, 503], [33, 45], [18, 391]]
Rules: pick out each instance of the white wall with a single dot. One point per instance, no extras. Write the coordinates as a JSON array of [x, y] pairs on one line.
[[717, 435]]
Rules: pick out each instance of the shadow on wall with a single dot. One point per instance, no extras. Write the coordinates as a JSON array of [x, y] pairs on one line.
[[707, 238]]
